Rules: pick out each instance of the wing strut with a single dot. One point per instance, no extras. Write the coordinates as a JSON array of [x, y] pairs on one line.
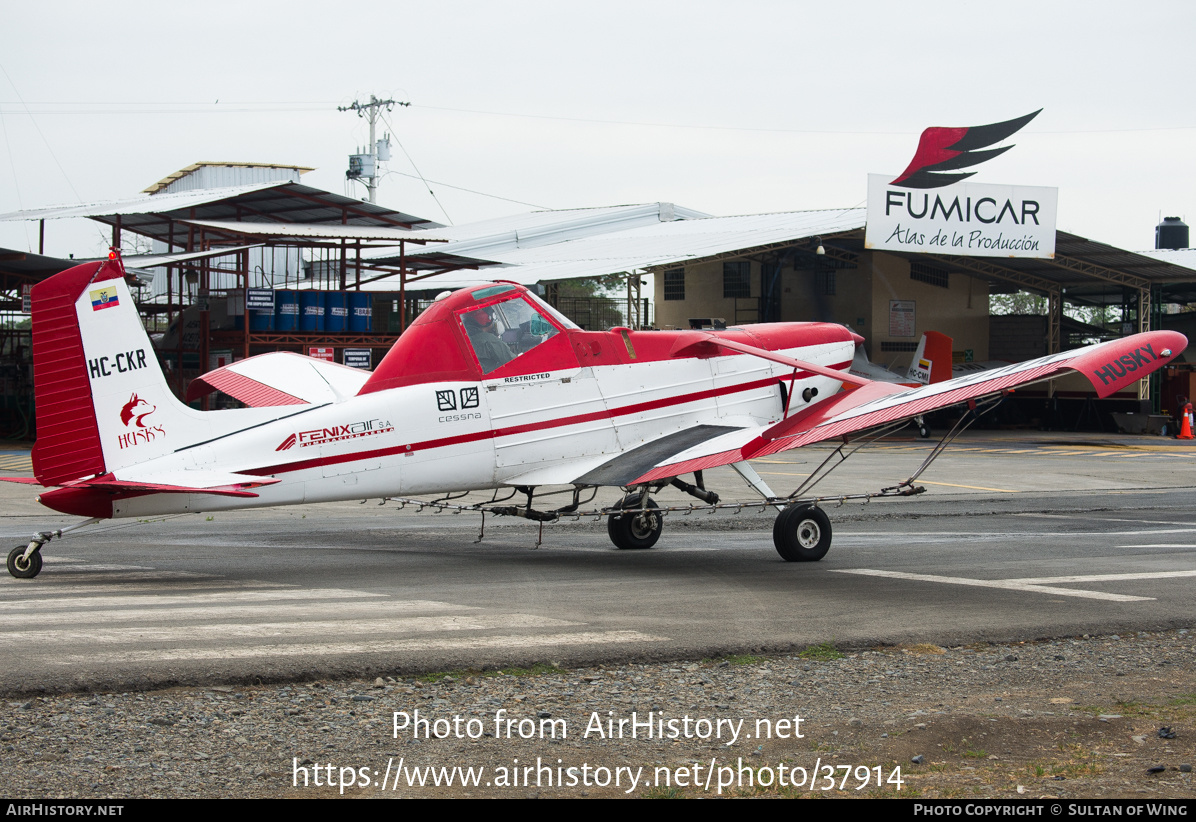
[[745, 470], [976, 409]]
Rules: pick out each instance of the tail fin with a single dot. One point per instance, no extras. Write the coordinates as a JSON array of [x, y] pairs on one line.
[[932, 360], [102, 400]]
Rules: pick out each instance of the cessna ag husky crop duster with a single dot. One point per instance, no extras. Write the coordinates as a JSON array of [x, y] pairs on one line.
[[489, 389]]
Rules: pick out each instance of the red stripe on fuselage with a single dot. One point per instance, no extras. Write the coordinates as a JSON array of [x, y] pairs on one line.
[[578, 419]]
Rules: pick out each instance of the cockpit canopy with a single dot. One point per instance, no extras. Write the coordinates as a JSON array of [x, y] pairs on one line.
[[472, 333], [502, 331]]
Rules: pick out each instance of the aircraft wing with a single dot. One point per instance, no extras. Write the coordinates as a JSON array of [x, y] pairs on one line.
[[281, 378], [1109, 366]]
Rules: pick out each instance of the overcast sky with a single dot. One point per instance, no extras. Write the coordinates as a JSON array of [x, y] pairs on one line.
[[729, 108]]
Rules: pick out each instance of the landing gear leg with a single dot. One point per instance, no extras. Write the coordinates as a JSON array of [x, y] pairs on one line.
[[640, 524], [25, 561]]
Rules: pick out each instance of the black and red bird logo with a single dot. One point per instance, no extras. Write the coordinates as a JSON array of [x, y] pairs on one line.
[[943, 149]]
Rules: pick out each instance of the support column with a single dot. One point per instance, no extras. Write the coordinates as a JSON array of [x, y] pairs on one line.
[[1143, 325], [244, 255], [1054, 339], [402, 286], [1054, 322]]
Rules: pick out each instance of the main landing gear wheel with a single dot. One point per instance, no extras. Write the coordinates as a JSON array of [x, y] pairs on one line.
[[802, 533], [636, 528], [22, 568], [924, 431]]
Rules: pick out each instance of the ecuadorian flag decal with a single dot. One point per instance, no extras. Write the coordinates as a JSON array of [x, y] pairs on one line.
[[103, 298]]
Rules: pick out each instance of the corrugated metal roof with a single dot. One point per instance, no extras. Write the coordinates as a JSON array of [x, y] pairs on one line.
[[155, 215], [644, 246], [1185, 257], [528, 222], [141, 204], [155, 260], [323, 231], [487, 239], [186, 170]]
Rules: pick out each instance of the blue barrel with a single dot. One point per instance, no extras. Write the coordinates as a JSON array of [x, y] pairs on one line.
[[311, 311], [261, 320], [361, 312], [336, 311], [286, 311]]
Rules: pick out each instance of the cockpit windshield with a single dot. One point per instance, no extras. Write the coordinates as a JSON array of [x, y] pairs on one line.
[[552, 312], [503, 331]]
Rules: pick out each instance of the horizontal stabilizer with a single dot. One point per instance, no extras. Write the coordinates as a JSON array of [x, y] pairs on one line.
[[281, 378], [181, 482]]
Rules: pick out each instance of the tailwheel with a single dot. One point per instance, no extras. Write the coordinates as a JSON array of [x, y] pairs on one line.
[[640, 527], [923, 429], [802, 533], [23, 568]]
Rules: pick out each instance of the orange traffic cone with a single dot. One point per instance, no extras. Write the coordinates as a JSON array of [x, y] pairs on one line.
[[1185, 429]]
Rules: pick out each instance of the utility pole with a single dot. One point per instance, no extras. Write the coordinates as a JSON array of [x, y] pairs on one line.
[[359, 166]]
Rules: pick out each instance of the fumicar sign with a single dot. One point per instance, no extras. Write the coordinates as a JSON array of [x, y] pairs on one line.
[[931, 210]]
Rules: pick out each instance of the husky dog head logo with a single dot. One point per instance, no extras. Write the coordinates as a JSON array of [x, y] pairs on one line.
[[136, 408]]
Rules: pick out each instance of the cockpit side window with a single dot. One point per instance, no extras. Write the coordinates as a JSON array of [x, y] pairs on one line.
[[502, 331]]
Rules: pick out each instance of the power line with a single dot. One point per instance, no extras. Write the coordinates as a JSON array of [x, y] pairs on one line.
[[43, 136], [417, 171], [699, 126], [242, 107], [470, 190]]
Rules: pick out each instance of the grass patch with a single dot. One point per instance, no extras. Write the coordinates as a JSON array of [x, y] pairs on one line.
[[1071, 769], [439, 675], [743, 659], [822, 651], [1184, 699], [663, 793]]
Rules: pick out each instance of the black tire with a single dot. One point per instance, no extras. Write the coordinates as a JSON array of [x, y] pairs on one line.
[[635, 530], [924, 431], [802, 533], [26, 569]]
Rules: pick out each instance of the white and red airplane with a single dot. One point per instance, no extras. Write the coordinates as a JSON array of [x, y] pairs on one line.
[[490, 388]]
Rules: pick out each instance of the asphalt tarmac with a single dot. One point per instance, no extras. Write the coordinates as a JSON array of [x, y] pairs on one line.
[[1019, 536]]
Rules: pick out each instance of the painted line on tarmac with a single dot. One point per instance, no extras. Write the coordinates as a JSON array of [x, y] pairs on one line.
[[1159, 545], [192, 634], [158, 600], [54, 576], [44, 585], [1005, 584], [346, 610], [972, 487], [404, 646], [1106, 577]]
